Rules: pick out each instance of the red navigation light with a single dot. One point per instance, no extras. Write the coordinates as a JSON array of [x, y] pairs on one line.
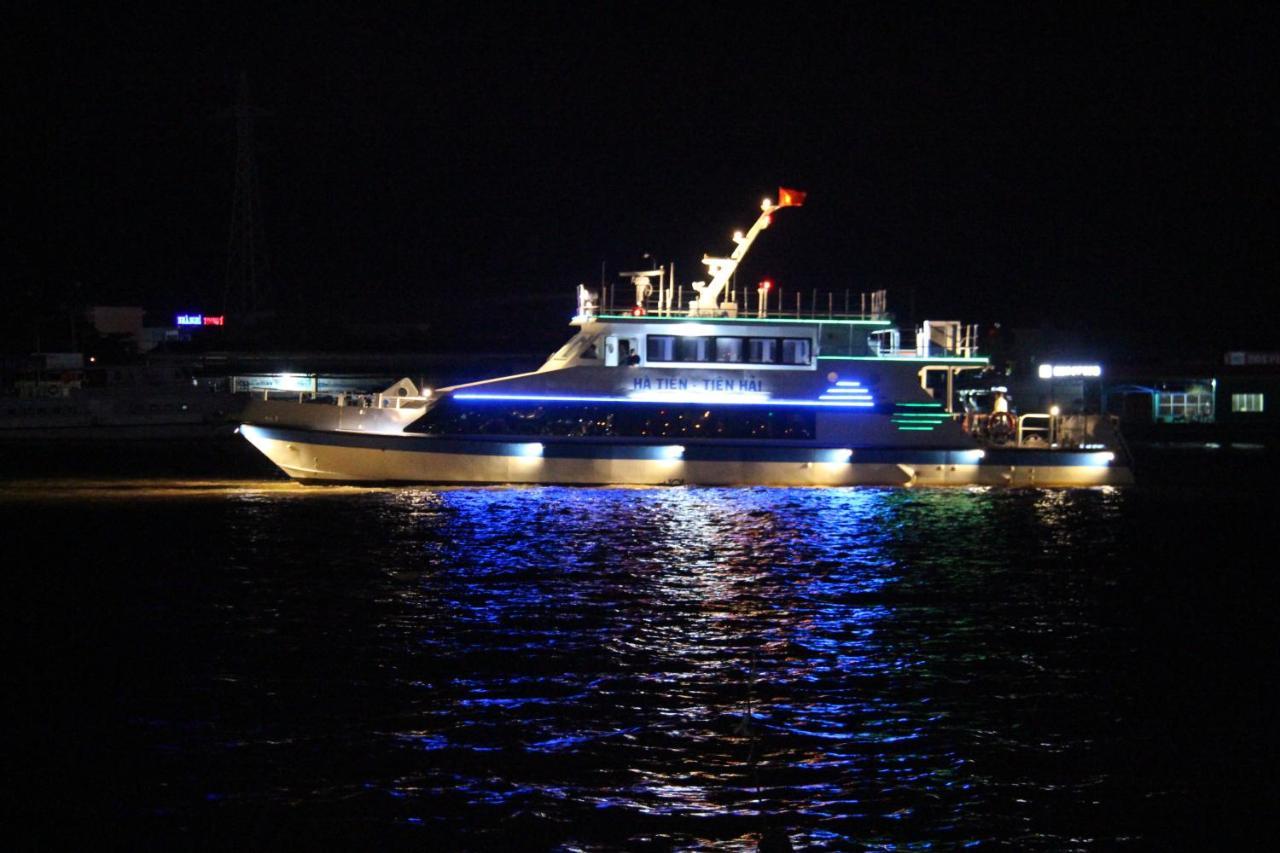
[[638, 311], [766, 284]]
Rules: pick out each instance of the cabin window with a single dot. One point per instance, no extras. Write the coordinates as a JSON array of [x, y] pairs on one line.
[[695, 349], [762, 350], [1247, 402], [728, 349], [661, 348], [627, 420], [795, 350]]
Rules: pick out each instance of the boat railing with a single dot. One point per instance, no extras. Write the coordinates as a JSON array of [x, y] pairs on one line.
[[1045, 430], [741, 303], [1039, 424], [346, 399]]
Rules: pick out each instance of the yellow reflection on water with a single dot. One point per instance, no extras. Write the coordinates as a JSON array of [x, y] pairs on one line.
[[146, 489], [130, 488]]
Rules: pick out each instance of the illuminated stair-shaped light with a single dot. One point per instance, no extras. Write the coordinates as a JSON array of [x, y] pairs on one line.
[[975, 456], [673, 451], [918, 417], [839, 454], [531, 448], [849, 393], [841, 400]]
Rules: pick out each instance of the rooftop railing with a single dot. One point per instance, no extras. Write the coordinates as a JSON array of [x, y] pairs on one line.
[[741, 303]]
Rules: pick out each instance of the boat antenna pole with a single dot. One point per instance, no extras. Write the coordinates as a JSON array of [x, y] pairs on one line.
[[722, 269]]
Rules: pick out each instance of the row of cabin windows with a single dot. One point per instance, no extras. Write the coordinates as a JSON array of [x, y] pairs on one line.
[[627, 421], [724, 349]]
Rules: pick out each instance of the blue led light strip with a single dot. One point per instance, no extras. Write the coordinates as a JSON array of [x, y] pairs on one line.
[[840, 403], [949, 359]]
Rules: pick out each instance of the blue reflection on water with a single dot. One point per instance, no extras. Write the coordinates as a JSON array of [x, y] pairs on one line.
[[720, 652], [677, 667]]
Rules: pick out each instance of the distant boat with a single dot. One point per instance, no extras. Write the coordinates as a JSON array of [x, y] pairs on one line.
[[726, 388]]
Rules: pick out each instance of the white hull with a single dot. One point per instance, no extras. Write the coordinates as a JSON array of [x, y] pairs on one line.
[[327, 462]]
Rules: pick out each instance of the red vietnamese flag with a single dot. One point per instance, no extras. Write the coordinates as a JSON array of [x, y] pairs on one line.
[[790, 198]]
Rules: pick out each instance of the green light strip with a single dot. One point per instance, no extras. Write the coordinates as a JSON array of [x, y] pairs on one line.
[[932, 405], [651, 318], [914, 429]]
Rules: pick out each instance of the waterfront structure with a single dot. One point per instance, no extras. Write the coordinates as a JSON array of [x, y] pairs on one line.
[[1234, 399], [733, 387]]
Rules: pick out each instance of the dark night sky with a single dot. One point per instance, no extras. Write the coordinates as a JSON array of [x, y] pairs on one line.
[[1034, 167]]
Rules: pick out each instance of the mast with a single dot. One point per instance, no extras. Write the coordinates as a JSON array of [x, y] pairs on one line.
[[722, 269]]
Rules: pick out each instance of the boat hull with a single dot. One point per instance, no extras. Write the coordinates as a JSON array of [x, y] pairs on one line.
[[337, 457]]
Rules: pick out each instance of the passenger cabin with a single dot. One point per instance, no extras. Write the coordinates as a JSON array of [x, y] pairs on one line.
[[652, 336]]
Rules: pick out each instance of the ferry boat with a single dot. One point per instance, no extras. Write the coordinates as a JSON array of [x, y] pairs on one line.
[[728, 387]]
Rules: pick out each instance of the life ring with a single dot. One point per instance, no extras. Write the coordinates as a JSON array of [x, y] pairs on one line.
[[1001, 426]]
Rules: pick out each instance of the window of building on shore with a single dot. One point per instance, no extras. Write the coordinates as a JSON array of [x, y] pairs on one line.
[[661, 348], [1247, 402], [695, 349], [762, 350], [728, 349], [795, 350], [1195, 405]]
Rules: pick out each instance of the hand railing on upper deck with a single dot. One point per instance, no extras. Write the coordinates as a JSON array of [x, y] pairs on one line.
[[754, 303]]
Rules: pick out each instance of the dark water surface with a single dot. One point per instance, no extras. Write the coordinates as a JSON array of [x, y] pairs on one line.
[[209, 663]]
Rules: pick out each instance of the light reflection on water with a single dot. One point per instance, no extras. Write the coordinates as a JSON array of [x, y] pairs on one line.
[[682, 667]]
